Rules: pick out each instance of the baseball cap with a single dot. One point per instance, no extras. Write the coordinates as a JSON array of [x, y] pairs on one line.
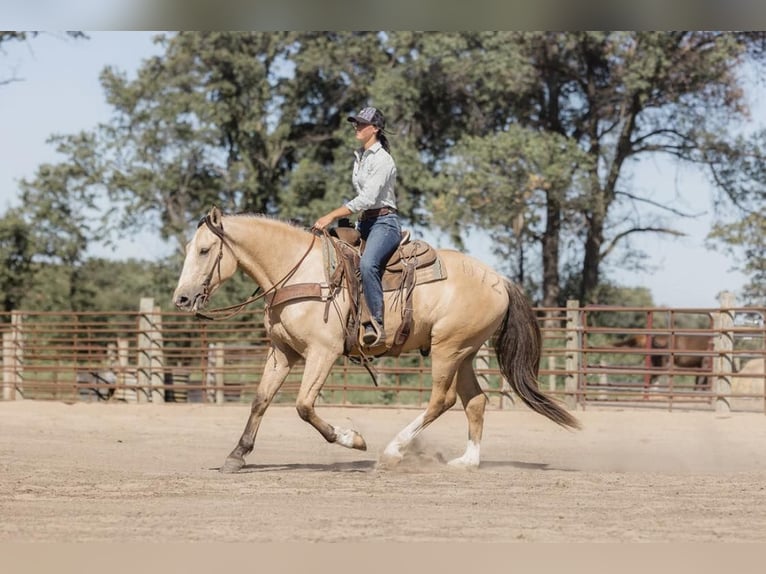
[[369, 115]]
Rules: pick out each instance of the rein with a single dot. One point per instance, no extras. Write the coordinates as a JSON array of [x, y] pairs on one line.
[[217, 314]]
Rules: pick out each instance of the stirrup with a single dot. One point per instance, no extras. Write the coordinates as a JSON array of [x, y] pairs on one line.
[[373, 335]]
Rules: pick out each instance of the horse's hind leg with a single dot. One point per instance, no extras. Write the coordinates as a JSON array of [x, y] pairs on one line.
[[278, 365], [314, 375], [474, 402], [443, 372]]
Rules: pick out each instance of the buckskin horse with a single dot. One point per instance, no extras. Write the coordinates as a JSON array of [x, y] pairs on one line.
[[451, 319]]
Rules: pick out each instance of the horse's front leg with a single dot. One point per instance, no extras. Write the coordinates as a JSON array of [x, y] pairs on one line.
[[278, 365], [317, 369]]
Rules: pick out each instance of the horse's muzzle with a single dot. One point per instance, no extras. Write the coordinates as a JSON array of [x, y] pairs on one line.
[[182, 302], [189, 303]]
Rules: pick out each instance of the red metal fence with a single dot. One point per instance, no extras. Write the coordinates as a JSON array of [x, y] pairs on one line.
[[159, 356]]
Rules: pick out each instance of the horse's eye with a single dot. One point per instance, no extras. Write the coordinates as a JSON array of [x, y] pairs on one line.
[[204, 250]]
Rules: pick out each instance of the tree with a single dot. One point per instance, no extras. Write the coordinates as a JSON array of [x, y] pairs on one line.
[[528, 135], [61, 207], [221, 119], [247, 121], [17, 249], [507, 183], [739, 170], [190, 133], [618, 96]]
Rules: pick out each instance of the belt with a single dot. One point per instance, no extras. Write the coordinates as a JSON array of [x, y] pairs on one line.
[[372, 213]]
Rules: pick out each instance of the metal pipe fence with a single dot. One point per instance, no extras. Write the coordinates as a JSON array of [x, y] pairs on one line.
[[161, 356]]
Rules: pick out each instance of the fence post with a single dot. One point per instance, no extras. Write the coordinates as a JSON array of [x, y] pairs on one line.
[[11, 366], [13, 360], [9, 384], [550, 321], [723, 344], [573, 353], [157, 358], [151, 378]]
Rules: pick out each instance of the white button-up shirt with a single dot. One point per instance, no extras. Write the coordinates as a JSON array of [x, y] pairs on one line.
[[373, 179]]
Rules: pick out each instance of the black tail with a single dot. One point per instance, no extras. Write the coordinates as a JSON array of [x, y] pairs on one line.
[[518, 346]]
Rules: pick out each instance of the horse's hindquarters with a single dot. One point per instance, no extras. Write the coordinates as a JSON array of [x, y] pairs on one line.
[[468, 305]]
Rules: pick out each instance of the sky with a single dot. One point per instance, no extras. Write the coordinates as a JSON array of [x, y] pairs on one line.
[[58, 92]]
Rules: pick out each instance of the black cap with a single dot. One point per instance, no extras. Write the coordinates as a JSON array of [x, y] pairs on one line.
[[369, 116]]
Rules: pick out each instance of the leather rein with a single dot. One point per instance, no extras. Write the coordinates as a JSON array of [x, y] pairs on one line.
[[218, 314]]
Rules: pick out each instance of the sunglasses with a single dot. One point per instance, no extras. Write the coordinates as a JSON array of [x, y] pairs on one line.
[[360, 126]]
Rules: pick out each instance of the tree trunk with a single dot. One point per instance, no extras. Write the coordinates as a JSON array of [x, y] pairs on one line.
[[550, 245], [596, 218], [592, 259]]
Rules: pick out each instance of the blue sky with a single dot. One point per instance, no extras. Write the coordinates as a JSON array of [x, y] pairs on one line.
[[58, 92]]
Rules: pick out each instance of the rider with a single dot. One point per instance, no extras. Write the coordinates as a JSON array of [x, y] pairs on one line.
[[373, 178]]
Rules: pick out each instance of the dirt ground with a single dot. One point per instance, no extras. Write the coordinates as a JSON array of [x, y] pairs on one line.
[[149, 473]]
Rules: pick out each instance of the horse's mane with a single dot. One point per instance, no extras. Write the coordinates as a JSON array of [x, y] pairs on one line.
[[295, 224]]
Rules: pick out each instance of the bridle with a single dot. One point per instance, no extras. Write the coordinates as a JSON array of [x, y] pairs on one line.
[[218, 314], [217, 230]]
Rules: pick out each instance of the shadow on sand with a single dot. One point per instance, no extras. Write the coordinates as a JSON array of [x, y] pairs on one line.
[[372, 465], [353, 466]]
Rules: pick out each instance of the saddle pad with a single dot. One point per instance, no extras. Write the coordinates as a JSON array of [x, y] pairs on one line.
[[433, 272]]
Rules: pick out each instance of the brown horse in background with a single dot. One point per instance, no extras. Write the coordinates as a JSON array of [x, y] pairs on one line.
[[674, 344], [452, 319]]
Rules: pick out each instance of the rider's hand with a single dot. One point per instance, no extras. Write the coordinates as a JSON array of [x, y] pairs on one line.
[[322, 222]]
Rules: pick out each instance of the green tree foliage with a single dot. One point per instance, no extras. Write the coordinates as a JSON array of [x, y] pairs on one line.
[[739, 170], [748, 233], [60, 207], [17, 249], [527, 135], [617, 96], [507, 182]]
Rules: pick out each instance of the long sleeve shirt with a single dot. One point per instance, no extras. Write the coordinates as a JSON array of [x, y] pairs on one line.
[[373, 178]]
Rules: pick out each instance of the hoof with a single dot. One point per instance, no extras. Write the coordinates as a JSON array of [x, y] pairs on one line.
[[232, 465], [359, 443], [350, 439]]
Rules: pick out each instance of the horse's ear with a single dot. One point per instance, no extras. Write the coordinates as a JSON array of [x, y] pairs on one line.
[[215, 216]]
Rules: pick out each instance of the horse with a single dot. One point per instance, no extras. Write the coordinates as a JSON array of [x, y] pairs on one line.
[[452, 319], [674, 343]]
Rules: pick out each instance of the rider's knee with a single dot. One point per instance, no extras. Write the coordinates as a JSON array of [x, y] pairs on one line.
[[368, 267]]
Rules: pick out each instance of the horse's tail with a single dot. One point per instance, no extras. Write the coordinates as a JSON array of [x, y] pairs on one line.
[[518, 346]]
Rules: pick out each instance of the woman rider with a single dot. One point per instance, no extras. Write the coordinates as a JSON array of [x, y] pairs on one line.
[[373, 178]]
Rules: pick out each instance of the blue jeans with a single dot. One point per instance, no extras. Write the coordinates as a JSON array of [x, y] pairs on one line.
[[382, 236]]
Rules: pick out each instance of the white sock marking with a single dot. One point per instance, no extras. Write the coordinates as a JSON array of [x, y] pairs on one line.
[[345, 437], [405, 437], [471, 457]]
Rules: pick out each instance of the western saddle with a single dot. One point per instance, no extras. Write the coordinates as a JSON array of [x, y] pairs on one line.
[[414, 262]]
